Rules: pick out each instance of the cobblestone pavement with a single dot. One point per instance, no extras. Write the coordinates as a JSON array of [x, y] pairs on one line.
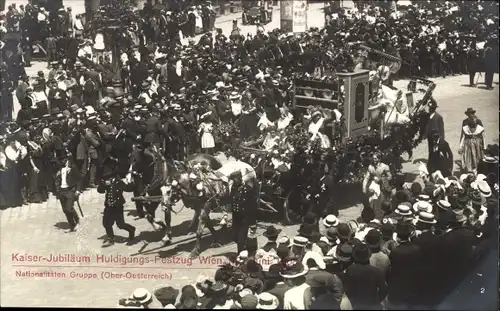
[[37, 229]]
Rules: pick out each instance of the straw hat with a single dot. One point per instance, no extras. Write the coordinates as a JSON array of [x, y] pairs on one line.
[[267, 301], [330, 221], [141, 295]]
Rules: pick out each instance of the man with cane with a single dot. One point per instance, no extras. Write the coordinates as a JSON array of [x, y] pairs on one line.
[[68, 187]]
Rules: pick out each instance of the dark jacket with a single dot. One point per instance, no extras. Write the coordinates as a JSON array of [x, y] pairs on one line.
[[435, 123], [364, 286], [404, 273], [114, 192], [279, 291], [73, 180], [441, 159], [323, 282]]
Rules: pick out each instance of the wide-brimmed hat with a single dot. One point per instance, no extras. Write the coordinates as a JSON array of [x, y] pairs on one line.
[[344, 231], [271, 232], [294, 269], [284, 240], [267, 301], [483, 188], [404, 230], [330, 221], [249, 302], [361, 253], [300, 241], [422, 206], [373, 238], [306, 230], [343, 252], [403, 209], [141, 295], [316, 257], [470, 111], [443, 204], [425, 217], [489, 159]]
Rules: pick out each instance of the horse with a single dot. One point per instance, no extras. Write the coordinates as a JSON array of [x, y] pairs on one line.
[[202, 189], [151, 171]]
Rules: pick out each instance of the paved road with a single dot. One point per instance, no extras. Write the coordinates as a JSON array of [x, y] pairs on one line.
[[37, 229]]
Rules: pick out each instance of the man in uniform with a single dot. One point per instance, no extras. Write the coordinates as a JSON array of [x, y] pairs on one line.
[[113, 187], [243, 209], [68, 188]]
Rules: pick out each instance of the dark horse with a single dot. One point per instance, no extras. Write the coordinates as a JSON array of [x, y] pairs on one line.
[[151, 172]]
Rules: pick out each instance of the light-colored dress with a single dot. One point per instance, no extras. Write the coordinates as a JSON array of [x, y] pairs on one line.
[[472, 147], [207, 139]]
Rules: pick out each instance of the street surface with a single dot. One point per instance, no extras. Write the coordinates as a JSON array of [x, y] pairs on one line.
[[37, 229]]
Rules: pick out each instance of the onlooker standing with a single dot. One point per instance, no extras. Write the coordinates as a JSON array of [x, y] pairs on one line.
[[471, 145], [402, 280], [51, 49], [365, 285], [490, 64], [440, 156], [472, 62], [435, 123], [243, 212]]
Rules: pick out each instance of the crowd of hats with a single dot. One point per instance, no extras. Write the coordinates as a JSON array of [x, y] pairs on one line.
[[329, 242]]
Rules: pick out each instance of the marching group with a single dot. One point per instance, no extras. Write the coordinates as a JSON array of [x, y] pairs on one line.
[[424, 237]]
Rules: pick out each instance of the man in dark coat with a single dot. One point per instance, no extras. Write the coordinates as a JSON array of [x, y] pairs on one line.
[[435, 123], [68, 187], [472, 62], [114, 187], [490, 63], [90, 91], [364, 284], [403, 276], [440, 156], [243, 210]]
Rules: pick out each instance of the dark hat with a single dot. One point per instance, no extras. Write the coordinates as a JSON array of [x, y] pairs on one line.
[[373, 238], [271, 232], [387, 230], [331, 233], [306, 230], [40, 73], [361, 253], [433, 104], [404, 230], [470, 111], [344, 231], [343, 252], [166, 295], [254, 284]]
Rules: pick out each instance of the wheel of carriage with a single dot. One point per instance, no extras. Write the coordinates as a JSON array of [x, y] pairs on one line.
[[291, 206]]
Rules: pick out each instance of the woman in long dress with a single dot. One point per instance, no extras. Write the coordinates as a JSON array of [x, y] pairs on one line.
[[11, 180], [37, 189], [472, 145]]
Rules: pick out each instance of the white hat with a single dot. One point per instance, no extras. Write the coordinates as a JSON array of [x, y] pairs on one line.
[[170, 306], [480, 177], [89, 110], [422, 206], [300, 241], [403, 210], [426, 217], [141, 295], [331, 221], [284, 240], [267, 301], [484, 188], [318, 259]]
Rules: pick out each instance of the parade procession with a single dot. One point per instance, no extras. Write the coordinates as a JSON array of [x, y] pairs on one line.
[[337, 155]]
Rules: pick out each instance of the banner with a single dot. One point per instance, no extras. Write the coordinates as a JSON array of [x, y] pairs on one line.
[[286, 15], [299, 15]]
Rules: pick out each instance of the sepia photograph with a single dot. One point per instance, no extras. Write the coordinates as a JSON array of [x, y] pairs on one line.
[[244, 154]]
